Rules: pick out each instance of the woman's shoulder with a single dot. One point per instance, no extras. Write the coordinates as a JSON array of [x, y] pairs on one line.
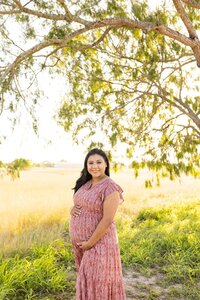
[[112, 183], [111, 186]]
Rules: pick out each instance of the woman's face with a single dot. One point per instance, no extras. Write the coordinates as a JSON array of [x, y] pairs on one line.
[[96, 166]]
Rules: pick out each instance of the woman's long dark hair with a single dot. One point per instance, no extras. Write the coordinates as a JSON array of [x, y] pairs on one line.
[[85, 176]]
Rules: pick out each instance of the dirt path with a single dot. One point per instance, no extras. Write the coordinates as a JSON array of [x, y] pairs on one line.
[[149, 286]]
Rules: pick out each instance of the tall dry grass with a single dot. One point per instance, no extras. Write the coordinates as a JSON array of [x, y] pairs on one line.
[[29, 207], [42, 197]]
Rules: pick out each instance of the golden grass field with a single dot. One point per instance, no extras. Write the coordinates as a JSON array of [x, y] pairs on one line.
[[34, 214], [44, 195]]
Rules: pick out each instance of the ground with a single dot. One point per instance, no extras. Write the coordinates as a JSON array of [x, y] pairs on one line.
[[148, 286]]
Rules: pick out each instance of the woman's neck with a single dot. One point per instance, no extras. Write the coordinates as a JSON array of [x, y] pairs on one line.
[[98, 179]]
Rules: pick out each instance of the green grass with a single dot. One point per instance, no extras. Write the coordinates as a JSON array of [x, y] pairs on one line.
[[166, 239], [45, 270]]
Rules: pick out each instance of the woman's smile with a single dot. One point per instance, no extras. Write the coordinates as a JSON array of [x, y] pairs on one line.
[[96, 166]]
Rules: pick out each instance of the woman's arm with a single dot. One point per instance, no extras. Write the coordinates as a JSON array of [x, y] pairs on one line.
[[110, 206]]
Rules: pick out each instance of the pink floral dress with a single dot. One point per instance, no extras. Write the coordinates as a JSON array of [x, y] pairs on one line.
[[99, 273]]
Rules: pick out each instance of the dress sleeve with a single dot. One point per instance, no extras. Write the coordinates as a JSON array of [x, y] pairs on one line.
[[113, 187]]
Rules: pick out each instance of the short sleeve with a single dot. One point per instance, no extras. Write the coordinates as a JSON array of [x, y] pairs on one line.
[[113, 187]]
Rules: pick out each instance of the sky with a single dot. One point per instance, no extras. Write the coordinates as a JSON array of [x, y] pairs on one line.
[[53, 143]]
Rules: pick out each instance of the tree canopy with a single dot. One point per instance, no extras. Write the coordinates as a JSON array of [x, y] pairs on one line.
[[132, 71]]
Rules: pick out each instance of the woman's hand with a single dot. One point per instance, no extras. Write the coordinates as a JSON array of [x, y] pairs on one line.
[[75, 211], [85, 245]]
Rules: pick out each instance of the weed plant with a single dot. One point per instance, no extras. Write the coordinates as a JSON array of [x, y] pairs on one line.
[[165, 239], [45, 270]]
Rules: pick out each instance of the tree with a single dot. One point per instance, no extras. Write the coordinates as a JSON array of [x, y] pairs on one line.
[[132, 72], [13, 168]]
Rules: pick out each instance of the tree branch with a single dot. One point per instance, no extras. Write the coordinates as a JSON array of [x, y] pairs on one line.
[[82, 47], [187, 110], [10, 12], [192, 3], [191, 41], [147, 27], [38, 47], [188, 24], [64, 5], [56, 17], [190, 127], [166, 124], [27, 3]]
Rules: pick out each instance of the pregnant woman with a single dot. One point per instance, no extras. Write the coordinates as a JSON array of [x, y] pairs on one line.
[[93, 233]]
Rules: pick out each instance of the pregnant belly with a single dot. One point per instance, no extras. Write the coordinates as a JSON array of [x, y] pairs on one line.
[[83, 226]]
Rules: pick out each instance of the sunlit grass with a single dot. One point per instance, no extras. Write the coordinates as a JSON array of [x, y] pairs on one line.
[[168, 237], [45, 270], [158, 228]]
